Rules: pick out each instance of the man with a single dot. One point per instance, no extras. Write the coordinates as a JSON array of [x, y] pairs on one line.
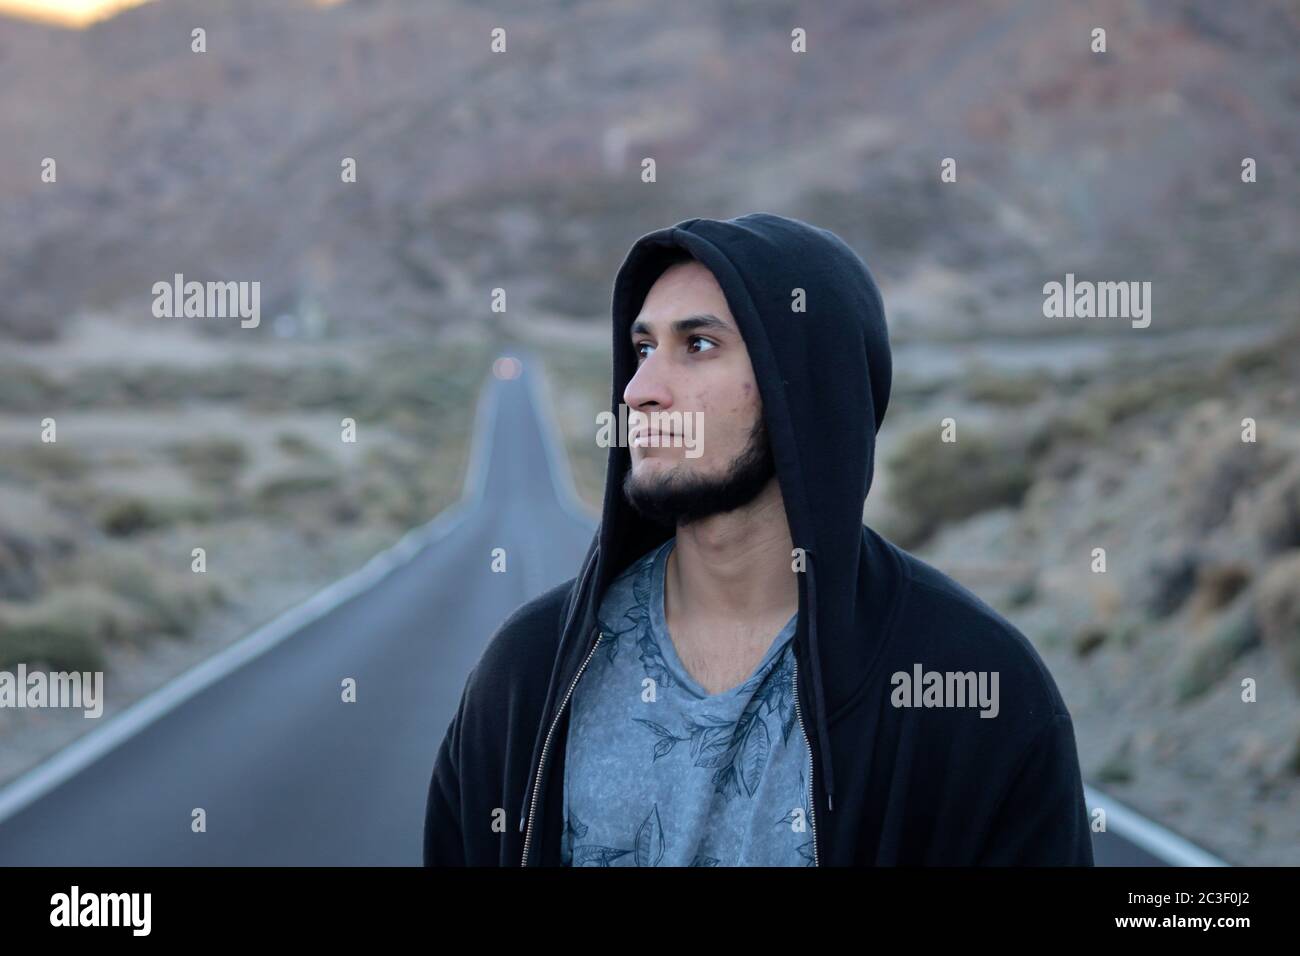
[[743, 673]]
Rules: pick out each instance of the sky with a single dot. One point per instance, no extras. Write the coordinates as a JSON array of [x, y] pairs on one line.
[[73, 13], [79, 13]]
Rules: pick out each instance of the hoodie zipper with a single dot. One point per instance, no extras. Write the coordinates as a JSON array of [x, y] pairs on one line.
[[541, 762], [812, 802]]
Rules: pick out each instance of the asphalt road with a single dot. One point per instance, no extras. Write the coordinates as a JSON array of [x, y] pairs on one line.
[[289, 774]]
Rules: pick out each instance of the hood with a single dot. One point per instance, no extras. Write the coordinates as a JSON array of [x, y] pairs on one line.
[[824, 377]]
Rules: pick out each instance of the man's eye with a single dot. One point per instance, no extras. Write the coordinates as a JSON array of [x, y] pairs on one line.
[[707, 344], [639, 346]]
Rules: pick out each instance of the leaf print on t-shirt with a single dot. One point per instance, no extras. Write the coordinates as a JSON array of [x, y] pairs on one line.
[[799, 809], [667, 739], [650, 840], [652, 659], [648, 846], [631, 591], [575, 826], [782, 697], [740, 763], [737, 751], [800, 812], [597, 855], [754, 754]]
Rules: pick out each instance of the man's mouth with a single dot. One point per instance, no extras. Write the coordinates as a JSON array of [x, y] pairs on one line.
[[644, 437]]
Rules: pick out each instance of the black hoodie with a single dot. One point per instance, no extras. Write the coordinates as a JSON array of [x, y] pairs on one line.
[[893, 782]]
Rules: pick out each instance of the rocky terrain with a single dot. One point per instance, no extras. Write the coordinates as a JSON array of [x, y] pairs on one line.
[[476, 168]]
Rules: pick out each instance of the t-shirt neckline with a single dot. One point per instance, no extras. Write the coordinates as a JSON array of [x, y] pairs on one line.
[[668, 650]]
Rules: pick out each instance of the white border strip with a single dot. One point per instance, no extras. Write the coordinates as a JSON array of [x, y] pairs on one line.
[[1150, 836], [85, 750]]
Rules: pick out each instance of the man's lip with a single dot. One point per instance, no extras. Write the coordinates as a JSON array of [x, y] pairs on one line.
[[638, 434], [647, 430]]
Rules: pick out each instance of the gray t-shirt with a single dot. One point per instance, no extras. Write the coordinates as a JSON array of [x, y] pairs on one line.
[[658, 772]]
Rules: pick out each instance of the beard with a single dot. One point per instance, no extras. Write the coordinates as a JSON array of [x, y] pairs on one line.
[[676, 499]]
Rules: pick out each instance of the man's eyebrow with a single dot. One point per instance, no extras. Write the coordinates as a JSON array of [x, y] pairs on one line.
[[691, 323]]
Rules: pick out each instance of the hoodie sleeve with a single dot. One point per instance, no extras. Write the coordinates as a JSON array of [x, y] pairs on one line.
[[443, 835], [1042, 819]]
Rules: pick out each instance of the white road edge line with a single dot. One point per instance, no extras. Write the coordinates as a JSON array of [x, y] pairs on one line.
[[1148, 834], [85, 750]]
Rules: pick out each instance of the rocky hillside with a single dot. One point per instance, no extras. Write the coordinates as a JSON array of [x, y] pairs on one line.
[[477, 169]]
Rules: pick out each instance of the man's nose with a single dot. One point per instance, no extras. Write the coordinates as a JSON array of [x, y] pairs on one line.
[[650, 385]]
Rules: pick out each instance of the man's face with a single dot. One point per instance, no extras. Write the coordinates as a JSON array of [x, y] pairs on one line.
[[692, 360]]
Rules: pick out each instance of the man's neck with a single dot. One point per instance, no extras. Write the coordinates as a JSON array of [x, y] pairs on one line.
[[735, 566]]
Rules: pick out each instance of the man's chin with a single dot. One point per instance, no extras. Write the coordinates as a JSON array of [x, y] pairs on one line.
[[656, 490], [669, 491], [658, 468], [674, 495], [655, 478]]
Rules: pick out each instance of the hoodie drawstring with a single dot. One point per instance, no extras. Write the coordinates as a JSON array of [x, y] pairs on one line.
[[823, 732]]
